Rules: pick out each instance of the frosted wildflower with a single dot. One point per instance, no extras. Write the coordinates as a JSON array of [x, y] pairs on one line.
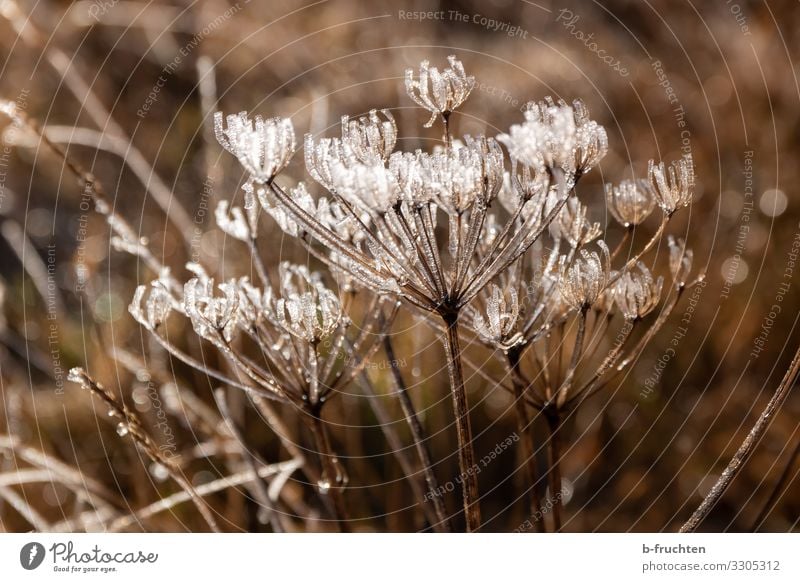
[[631, 202], [441, 93], [460, 176], [585, 279], [499, 325], [153, 310], [680, 260], [370, 138], [263, 147], [591, 140], [673, 185], [367, 187], [306, 308], [637, 293], [555, 134], [213, 317]]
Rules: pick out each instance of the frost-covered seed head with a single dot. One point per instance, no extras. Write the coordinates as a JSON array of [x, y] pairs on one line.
[[264, 147], [555, 134], [673, 185], [499, 325], [631, 202], [439, 92], [582, 282], [637, 293], [370, 138], [306, 308]]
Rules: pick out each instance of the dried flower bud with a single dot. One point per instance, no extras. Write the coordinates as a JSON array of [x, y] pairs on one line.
[[156, 308], [213, 318], [371, 139], [264, 147], [499, 325], [306, 308], [631, 202], [637, 293], [582, 282], [674, 185], [439, 92]]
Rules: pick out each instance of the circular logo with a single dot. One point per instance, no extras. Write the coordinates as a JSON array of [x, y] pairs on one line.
[[31, 555]]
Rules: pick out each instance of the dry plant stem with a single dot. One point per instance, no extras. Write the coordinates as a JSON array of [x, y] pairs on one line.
[[418, 434], [526, 434], [330, 471], [466, 454], [777, 488], [554, 446], [747, 447], [386, 423]]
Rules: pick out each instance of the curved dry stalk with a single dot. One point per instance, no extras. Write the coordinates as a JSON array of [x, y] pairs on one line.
[[236, 480], [747, 447]]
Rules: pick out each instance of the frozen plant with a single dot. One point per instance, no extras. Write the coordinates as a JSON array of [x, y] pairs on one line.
[[424, 226]]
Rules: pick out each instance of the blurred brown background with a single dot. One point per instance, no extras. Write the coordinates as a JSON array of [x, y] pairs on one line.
[[719, 78]]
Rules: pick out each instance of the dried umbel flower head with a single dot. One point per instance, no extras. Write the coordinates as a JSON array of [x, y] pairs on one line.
[[441, 93], [499, 325], [370, 138], [264, 147], [213, 317], [673, 185], [306, 308], [637, 293], [583, 282], [631, 202], [555, 134]]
